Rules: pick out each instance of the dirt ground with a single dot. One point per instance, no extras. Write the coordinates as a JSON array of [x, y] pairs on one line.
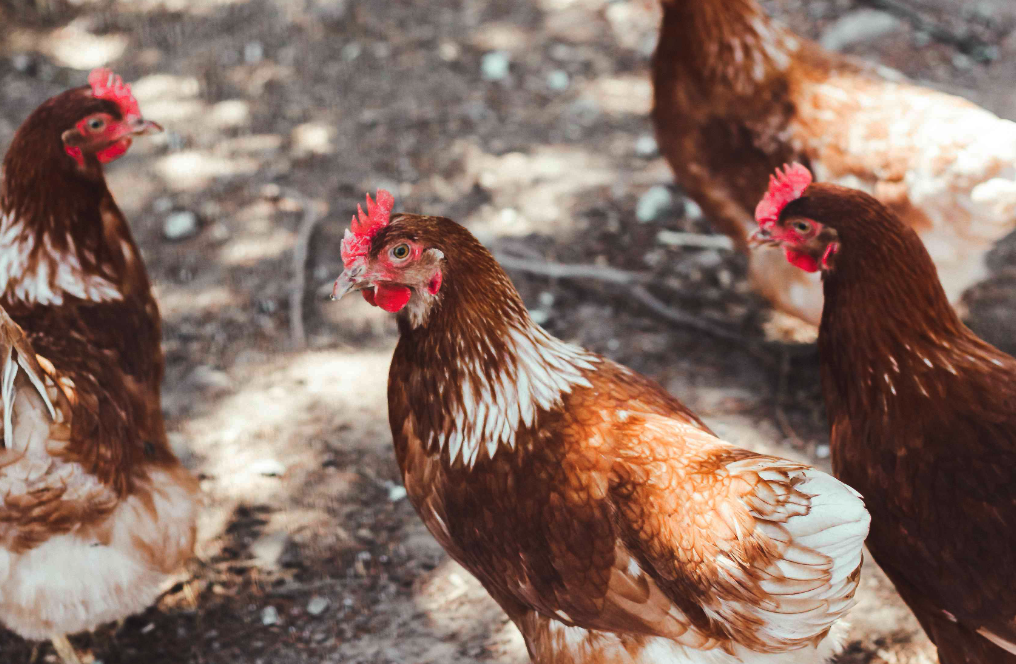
[[278, 111]]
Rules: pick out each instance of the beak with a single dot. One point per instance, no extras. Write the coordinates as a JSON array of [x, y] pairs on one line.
[[346, 283], [760, 238], [142, 127]]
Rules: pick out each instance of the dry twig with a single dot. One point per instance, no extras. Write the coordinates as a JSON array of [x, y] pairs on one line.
[[573, 271], [297, 290]]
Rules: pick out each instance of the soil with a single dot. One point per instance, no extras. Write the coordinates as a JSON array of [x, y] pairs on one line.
[[277, 110]]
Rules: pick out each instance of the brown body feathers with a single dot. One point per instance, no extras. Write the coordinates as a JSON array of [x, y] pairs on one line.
[[609, 523]]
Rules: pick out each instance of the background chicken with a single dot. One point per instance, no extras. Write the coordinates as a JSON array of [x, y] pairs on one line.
[[95, 510], [602, 515], [735, 96], [921, 414]]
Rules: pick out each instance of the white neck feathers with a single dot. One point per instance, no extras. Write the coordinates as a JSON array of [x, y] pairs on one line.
[[40, 273], [538, 371]]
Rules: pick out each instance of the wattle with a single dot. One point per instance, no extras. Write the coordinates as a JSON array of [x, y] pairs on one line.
[[114, 151], [801, 260], [390, 297]]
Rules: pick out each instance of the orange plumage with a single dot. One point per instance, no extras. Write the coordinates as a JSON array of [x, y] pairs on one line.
[[736, 95], [605, 518]]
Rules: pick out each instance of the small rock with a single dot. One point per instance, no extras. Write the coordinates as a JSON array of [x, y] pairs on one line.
[[396, 493], [162, 205], [558, 80], [449, 51], [692, 211], [268, 468], [351, 51], [654, 203], [271, 191], [269, 616], [962, 61], [23, 63], [859, 27], [822, 451], [546, 299], [148, 628], [494, 65], [985, 53], [317, 605], [268, 549], [646, 146], [253, 52], [180, 225]]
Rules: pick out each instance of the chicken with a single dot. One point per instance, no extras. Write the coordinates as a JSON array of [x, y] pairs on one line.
[[603, 516], [922, 413], [736, 96], [95, 510]]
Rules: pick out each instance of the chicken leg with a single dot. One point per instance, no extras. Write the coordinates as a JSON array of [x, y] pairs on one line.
[[64, 648]]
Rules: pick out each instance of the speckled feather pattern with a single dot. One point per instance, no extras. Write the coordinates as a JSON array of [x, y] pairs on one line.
[[616, 527], [943, 164]]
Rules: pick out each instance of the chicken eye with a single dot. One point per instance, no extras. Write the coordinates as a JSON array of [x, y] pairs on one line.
[[95, 124], [802, 226], [400, 252]]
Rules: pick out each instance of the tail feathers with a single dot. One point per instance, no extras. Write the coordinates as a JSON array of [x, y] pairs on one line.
[[17, 354]]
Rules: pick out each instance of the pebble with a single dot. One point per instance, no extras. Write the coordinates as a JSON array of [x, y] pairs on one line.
[[539, 316], [317, 605], [692, 211], [652, 204], [558, 80], [822, 451], [449, 51], [269, 616], [269, 548], [546, 299], [494, 65], [962, 61], [646, 146], [22, 63], [180, 225], [253, 52], [351, 51], [396, 493], [859, 27], [268, 468]]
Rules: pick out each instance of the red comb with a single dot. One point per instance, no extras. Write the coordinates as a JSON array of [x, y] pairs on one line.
[[363, 228], [784, 186], [107, 85]]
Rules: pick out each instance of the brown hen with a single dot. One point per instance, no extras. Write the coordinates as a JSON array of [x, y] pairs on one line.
[[95, 510], [604, 517], [922, 414], [737, 95]]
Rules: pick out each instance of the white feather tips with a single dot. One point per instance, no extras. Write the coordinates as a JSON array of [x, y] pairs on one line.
[[537, 371]]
